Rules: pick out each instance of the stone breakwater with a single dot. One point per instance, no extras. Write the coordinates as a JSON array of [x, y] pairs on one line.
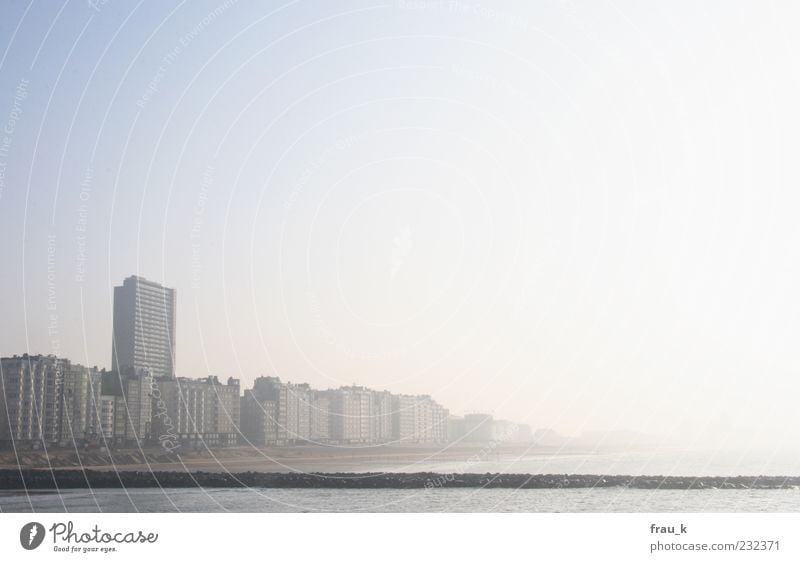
[[66, 479]]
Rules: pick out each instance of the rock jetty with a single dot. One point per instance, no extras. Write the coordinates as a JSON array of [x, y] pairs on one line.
[[71, 478]]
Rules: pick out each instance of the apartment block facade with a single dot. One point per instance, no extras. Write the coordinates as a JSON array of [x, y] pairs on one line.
[[30, 412], [49, 400], [196, 412], [277, 413], [144, 327]]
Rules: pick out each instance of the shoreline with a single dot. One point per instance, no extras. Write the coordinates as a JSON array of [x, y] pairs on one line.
[[308, 458], [44, 479]]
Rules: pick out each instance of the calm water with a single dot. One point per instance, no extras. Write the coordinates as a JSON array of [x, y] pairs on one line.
[[437, 500], [661, 462]]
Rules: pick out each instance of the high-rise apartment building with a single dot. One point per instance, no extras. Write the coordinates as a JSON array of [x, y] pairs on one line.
[[382, 416], [299, 420], [259, 423], [319, 416], [144, 327], [132, 390], [265, 412], [48, 400], [81, 404], [419, 419], [351, 415], [196, 412], [478, 427], [278, 413], [30, 408]]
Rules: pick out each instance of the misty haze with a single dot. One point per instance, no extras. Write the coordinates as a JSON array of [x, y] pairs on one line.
[[420, 241]]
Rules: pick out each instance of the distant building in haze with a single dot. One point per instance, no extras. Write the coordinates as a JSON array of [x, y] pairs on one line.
[[319, 416], [265, 411], [419, 419], [197, 413], [82, 403], [132, 390], [48, 400], [351, 414], [478, 427], [144, 327], [30, 409]]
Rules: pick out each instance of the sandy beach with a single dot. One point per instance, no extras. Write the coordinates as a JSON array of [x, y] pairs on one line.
[[307, 458]]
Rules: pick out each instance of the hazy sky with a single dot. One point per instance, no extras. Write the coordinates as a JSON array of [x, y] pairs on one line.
[[576, 214]]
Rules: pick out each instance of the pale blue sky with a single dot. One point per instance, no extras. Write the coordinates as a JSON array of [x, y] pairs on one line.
[[576, 214]]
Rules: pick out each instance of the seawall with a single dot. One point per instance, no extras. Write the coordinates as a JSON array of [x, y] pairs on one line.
[[71, 478]]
